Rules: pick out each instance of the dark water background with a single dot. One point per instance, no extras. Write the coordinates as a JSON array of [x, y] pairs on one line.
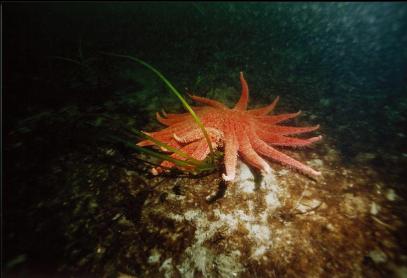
[[343, 63]]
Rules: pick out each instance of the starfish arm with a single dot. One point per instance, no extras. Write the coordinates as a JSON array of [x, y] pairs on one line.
[[150, 143], [275, 119], [249, 155], [177, 116], [164, 113], [172, 119], [244, 97], [172, 143], [162, 120], [201, 151], [280, 140], [190, 136], [195, 134], [167, 133], [144, 143], [265, 110], [231, 148], [287, 130], [208, 101], [268, 151], [163, 137]]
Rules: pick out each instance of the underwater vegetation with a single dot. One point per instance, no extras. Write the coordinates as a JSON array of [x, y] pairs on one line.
[[180, 158]]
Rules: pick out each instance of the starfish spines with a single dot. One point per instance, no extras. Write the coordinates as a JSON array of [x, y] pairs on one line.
[[250, 134]]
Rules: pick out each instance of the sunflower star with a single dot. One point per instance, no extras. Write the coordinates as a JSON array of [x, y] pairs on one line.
[[248, 133]]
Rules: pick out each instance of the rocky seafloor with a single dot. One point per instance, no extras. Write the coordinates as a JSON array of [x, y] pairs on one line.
[[343, 224], [120, 223]]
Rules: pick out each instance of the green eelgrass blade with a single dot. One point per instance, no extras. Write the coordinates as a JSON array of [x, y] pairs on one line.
[[165, 146], [173, 90], [198, 165], [161, 156]]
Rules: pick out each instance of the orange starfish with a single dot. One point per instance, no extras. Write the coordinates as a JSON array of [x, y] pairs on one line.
[[251, 134]]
